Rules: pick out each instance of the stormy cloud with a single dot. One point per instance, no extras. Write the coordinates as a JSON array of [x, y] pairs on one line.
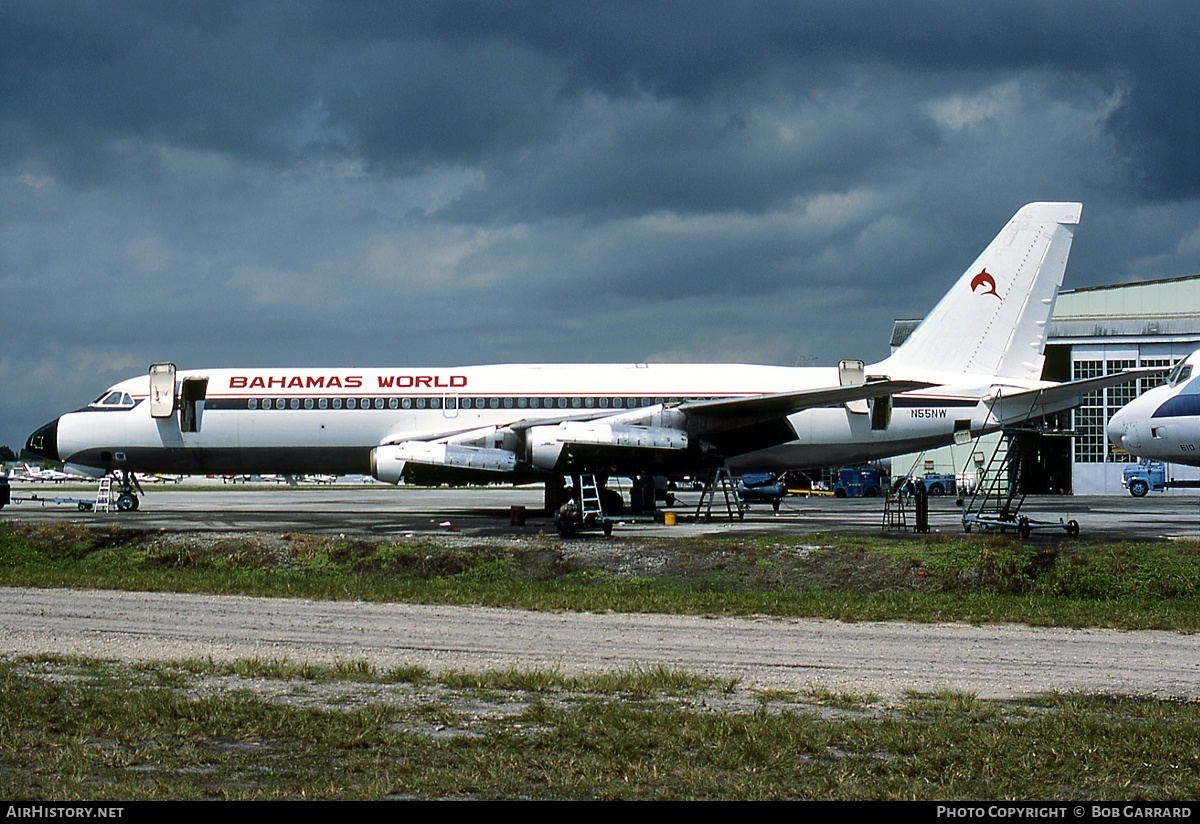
[[400, 184]]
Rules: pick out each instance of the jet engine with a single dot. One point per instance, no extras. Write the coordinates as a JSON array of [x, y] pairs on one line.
[[387, 461], [546, 443]]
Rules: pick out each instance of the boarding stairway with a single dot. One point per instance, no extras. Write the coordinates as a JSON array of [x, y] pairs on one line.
[[998, 496], [997, 499], [722, 480]]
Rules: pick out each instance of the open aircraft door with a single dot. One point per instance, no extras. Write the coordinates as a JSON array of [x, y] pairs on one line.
[[853, 373], [162, 390]]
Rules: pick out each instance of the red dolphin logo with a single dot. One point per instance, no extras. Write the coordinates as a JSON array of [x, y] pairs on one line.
[[984, 279]]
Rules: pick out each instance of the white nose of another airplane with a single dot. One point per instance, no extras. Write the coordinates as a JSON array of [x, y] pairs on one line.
[[1116, 429]]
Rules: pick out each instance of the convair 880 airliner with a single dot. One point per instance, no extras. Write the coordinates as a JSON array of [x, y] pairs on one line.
[[972, 366]]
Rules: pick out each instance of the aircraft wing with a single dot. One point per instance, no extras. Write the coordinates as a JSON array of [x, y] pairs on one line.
[[786, 403], [777, 404], [612, 440]]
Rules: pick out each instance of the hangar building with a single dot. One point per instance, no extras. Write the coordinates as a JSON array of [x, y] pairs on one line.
[[1093, 331]]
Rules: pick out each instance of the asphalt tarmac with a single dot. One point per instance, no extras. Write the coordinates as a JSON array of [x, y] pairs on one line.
[[386, 510]]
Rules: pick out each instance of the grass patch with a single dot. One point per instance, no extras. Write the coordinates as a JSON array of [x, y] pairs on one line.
[[972, 578], [82, 729]]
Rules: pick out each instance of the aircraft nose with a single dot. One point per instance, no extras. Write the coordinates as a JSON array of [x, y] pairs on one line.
[[1116, 429], [44, 442]]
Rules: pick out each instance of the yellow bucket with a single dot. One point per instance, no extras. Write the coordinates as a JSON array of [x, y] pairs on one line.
[[669, 519]]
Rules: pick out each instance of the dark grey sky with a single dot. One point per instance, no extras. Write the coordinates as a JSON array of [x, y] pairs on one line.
[[362, 183]]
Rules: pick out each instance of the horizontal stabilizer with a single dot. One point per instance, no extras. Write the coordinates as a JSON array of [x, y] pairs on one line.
[[1063, 395]]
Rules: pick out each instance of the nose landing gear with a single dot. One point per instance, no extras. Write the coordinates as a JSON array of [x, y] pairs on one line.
[[127, 499]]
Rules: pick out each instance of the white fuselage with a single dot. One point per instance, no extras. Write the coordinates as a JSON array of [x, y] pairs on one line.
[[1163, 423], [329, 420]]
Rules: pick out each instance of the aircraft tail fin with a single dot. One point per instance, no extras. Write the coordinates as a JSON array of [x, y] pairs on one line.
[[994, 320]]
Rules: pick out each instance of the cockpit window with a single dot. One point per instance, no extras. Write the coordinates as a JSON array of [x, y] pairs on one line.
[[1180, 373], [113, 399]]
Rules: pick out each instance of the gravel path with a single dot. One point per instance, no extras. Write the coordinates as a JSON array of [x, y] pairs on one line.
[[887, 659]]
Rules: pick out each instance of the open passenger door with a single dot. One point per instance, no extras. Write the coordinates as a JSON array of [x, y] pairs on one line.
[[162, 390]]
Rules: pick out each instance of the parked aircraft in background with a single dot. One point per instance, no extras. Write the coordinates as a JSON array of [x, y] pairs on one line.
[[972, 366], [25, 473], [267, 478], [1163, 422], [40, 475], [158, 479]]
